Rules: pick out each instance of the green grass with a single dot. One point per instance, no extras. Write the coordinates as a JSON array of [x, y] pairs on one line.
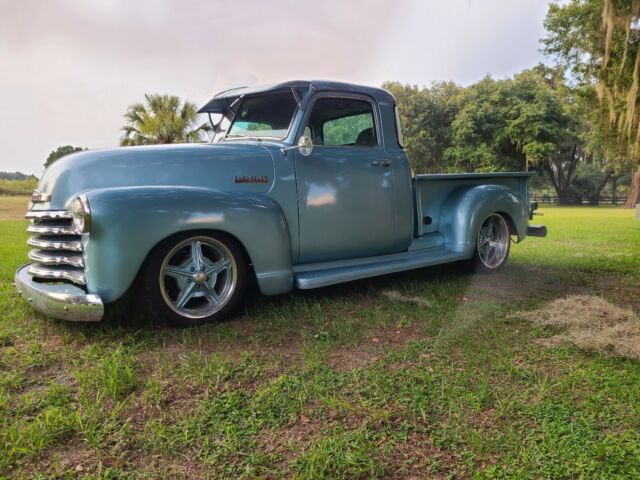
[[336, 383]]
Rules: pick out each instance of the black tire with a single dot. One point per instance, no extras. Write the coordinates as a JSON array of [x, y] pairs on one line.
[[165, 292], [481, 262]]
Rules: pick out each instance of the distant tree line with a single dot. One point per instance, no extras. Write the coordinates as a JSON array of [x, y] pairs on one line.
[[61, 152], [16, 176], [533, 121]]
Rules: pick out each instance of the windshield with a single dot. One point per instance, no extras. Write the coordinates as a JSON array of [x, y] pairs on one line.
[[262, 116]]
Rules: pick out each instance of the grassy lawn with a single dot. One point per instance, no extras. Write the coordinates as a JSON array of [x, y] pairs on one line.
[[427, 374]]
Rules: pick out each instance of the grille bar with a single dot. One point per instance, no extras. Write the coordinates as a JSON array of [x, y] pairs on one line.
[[57, 256], [52, 229], [51, 244], [74, 276], [46, 258]]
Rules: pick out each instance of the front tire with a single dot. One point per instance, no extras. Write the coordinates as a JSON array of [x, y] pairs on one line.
[[493, 243], [195, 278]]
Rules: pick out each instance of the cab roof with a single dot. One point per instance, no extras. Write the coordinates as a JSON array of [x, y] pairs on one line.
[[302, 89]]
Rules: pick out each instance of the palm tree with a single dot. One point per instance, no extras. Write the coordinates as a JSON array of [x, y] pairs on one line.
[[162, 119]]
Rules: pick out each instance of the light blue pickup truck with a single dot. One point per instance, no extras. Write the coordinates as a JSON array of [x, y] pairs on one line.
[[305, 184]]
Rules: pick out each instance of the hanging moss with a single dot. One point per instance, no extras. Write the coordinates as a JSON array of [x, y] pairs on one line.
[[618, 79]]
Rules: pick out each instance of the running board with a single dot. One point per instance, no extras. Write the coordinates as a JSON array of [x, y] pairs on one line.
[[329, 273]]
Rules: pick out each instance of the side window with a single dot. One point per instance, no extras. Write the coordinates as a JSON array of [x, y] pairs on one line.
[[343, 122]]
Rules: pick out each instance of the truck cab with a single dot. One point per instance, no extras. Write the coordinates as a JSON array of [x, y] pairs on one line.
[[305, 184]]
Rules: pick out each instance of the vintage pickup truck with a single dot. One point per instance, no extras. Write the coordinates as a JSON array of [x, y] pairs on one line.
[[305, 184]]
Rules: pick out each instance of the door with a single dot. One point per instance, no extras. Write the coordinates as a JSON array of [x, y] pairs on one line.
[[345, 187]]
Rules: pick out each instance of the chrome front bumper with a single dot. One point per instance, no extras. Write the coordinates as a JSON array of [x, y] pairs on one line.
[[63, 301]]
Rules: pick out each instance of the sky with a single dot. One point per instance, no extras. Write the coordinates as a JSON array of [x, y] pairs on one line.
[[70, 68]]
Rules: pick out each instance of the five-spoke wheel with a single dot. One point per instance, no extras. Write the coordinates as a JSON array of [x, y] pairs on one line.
[[492, 244], [196, 278]]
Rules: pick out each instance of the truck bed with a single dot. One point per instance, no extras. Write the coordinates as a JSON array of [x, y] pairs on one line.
[[432, 190]]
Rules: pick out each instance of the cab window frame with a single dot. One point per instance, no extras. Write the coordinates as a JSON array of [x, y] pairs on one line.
[[375, 114]]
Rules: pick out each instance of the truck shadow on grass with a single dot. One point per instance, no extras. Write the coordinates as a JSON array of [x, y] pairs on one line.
[[345, 313]]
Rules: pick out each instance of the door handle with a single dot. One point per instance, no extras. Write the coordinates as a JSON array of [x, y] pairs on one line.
[[381, 163]]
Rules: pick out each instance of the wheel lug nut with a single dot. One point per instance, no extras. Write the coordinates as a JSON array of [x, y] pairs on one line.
[[188, 280], [202, 268]]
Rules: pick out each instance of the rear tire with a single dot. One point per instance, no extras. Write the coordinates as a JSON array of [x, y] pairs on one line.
[[493, 243], [195, 278]]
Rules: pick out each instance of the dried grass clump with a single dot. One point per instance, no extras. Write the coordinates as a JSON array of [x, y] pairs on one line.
[[590, 323], [396, 296]]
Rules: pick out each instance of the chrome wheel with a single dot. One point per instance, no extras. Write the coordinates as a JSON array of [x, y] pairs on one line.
[[198, 277], [493, 241]]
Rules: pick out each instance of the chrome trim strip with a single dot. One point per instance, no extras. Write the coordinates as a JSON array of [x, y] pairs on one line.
[[52, 229], [48, 214], [46, 244], [38, 256], [62, 301], [52, 274]]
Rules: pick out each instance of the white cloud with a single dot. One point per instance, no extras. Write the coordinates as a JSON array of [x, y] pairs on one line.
[[68, 69]]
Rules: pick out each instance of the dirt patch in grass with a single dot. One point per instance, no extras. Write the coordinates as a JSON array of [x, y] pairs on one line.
[[519, 282], [371, 349], [591, 323]]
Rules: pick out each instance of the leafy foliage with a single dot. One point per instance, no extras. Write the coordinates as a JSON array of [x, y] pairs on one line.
[[162, 119], [599, 41], [534, 120], [61, 152], [426, 115], [345, 130]]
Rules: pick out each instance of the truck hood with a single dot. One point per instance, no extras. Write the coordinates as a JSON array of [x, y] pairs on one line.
[[229, 166]]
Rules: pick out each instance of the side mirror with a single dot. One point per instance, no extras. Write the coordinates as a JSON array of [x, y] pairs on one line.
[[305, 145]]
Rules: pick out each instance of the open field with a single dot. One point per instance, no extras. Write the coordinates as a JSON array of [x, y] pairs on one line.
[[427, 374], [13, 207]]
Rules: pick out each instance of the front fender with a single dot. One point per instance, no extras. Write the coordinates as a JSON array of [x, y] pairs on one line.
[[466, 208], [126, 223]]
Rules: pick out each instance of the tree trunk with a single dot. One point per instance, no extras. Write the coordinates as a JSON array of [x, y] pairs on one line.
[[634, 193], [595, 198], [561, 171]]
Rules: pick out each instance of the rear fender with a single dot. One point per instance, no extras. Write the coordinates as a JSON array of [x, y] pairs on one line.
[[127, 223], [466, 208]]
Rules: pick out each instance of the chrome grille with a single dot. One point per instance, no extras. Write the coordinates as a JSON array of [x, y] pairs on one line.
[[57, 256]]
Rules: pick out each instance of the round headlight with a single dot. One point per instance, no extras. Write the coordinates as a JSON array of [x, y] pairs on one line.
[[81, 214]]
